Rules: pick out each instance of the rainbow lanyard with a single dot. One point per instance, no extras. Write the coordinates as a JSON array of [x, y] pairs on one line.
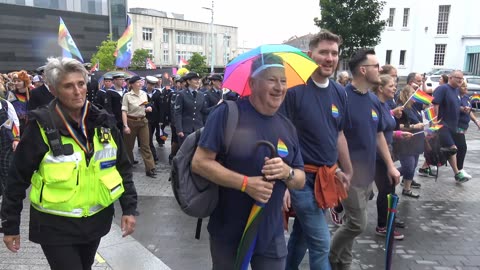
[[85, 147]]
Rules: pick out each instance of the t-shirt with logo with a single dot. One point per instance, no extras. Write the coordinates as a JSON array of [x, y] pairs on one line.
[[228, 221], [448, 99], [318, 114], [361, 127]]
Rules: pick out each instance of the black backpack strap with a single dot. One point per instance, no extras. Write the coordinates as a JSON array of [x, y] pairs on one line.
[[231, 125]]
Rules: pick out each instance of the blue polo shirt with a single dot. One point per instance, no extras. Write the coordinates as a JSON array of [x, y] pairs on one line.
[[318, 114], [228, 221], [464, 118], [448, 99], [363, 123]]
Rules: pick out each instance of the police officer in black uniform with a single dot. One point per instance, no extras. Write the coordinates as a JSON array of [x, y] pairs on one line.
[[101, 96], [114, 98], [190, 107], [153, 117], [214, 95]]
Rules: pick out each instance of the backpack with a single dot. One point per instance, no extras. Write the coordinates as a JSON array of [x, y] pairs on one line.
[[197, 196], [433, 154]]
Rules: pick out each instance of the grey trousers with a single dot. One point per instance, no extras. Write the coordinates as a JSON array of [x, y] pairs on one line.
[[355, 222]]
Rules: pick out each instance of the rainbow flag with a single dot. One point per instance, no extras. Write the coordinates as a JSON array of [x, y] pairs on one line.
[[430, 114], [65, 41], [15, 131], [435, 128], [124, 51], [422, 97], [475, 98]]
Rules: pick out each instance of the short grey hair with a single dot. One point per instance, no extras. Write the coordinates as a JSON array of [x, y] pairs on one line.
[[343, 74], [58, 67]]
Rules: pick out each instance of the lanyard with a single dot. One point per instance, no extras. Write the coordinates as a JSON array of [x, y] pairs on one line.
[[85, 147]]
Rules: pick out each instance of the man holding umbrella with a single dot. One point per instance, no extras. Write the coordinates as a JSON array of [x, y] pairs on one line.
[[247, 176], [318, 110]]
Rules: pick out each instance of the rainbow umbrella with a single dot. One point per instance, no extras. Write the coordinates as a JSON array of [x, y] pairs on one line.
[[249, 238], [298, 67], [392, 210]]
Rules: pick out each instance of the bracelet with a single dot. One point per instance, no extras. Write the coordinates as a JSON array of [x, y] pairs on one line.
[[244, 184], [398, 134]]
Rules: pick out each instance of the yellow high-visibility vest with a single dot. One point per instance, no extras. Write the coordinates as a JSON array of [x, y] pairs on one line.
[[67, 186]]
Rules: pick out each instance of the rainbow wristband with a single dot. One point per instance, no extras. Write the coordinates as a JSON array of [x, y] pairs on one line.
[[244, 184]]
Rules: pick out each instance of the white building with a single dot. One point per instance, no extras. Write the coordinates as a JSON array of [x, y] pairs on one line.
[[170, 38], [423, 35]]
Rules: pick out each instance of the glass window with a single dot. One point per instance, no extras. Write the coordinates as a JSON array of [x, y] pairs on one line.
[[165, 56], [150, 54], [165, 36], [147, 33], [388, 57], [401, 62], [439, 57], [442, 26], [391, 17], [406, 12]]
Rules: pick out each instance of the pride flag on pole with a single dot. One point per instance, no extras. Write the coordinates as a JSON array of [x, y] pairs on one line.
[[422, 97], [65, 41], [150, 64], [124, 51], [430, 114]]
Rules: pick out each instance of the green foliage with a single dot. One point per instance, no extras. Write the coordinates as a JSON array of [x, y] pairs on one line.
[[197, 63], [139, 59], [104, 55], [356, 21]]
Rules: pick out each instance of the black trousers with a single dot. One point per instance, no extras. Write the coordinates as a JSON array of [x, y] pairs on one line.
[[384, 188], [152, 126], [461, 144], [72, 257]]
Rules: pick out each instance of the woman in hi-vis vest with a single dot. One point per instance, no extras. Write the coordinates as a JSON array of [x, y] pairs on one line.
[[73, 157]]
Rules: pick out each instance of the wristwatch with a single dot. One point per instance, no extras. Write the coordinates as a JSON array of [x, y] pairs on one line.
[[291, 174]]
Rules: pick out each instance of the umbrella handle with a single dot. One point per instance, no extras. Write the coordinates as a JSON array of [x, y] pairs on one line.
[[273, 152]]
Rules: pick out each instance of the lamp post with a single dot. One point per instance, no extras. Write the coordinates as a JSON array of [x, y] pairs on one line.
[[212, 48]]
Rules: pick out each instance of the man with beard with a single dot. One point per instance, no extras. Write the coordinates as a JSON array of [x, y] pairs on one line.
[[364, 133]]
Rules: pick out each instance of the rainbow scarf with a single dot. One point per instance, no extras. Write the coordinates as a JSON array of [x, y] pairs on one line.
[[422, 97]]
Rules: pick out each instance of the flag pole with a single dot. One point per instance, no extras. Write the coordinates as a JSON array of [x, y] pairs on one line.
[[409, 98]]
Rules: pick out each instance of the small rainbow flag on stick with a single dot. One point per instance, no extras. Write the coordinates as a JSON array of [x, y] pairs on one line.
[[435, 128], [422, 97], [430, 114], [475, 98]]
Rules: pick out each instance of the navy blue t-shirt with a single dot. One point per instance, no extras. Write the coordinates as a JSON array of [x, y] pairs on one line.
[[464, 118], [318, 115], [363, 123], [389, 121], [448, 99], [229, 218]]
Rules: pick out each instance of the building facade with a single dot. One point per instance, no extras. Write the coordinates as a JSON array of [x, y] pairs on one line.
[[170, 38], [430, 34], [29, 32]]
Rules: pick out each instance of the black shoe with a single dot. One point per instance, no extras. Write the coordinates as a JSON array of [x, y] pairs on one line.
[[399, 223], [135, 162], [151, 173]]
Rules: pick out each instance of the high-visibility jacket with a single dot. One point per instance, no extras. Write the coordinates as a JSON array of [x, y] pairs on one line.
[[66, 185]]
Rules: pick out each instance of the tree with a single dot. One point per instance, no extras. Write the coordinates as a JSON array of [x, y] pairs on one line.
[[356, 21], [104, 55], [197, 63], [139, 59]]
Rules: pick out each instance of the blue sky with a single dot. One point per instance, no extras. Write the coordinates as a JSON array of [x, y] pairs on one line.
[[258, 21]]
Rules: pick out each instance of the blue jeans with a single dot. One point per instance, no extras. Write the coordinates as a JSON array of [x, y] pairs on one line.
[[310, 230], [409, 163]]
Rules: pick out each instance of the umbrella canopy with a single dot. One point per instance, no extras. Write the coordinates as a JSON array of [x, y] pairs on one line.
[[249, 238], [298, 67]]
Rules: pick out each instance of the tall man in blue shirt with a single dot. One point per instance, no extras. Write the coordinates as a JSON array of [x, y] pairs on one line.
[[318, 110], [364, 134], [447, 105]]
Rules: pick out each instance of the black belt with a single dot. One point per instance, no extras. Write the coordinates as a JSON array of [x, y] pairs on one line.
[[135, 118]]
